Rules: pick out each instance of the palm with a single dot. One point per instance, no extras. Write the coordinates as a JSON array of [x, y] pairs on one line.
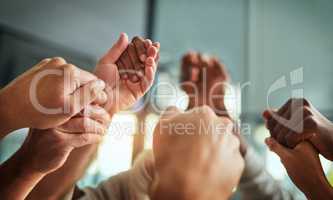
[[122, 94]]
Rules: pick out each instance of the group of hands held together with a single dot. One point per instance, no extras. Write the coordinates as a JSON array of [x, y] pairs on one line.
[[194, 148]]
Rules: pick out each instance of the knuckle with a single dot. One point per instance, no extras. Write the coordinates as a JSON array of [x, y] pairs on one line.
[[85, 138], [305, 102], [307, 111], [69, 67], [58, 61]]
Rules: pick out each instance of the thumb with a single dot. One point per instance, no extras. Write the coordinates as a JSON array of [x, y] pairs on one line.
[[116, 50], [84, 96], [277, 148]]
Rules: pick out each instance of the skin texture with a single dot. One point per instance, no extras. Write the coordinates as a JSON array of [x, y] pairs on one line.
[[302, 122], [45, 151], [128, 75], [111, 70], [72, 88], [195, 159], [205, 79], [310, 177]]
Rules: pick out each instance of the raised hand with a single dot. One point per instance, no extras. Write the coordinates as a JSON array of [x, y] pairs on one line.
[[47, 95], [129, 70], [204, 80], [297, 121], [304, 168], [193, 149]]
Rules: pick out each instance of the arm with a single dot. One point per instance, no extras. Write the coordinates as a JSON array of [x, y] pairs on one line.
[[78, 161], [17, 180], [304, 168], [66, 177], [45, 151]]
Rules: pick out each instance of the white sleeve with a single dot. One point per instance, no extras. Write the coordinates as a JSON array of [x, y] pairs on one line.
[[257, 183], [132, 184]]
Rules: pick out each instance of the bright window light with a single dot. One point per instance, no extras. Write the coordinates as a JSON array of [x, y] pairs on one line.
[[150, 123], [115, 152]]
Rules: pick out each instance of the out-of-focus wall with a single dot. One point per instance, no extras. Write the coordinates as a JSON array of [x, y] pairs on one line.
[[88, 26], [259, 40], [284, 36], [217, 27]]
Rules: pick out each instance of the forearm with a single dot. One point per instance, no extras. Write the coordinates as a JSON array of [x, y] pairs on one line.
[[321, 190], [66, 177], [17, 180]]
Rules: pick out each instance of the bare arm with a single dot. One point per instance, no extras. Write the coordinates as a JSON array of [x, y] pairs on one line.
[[17, 180], [66, 177]]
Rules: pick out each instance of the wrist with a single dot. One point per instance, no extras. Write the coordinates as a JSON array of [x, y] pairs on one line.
[[322, 190], [185, 185], [17, 180], [7, 119]]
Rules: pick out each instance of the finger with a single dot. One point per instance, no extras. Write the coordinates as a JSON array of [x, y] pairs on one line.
[[83, 96], [148, 43], [157, 45], [266, 115], [79, 125], [152, 52], [43, 62], [57, 61], [116, 50], [83, 76], [126, 60], [138, 65], [280, 128], [150, 70], [75, 77], [293, 138], [277, 148], [101, 98], [169, 113], [272, 121], [97, 113], [83, 139], [122, 69], [140, 48], [186, 66]]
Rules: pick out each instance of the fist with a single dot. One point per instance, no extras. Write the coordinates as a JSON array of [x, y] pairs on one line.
[[197, 148]]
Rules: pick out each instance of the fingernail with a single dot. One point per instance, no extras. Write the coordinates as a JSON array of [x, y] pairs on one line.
[[143, 57]]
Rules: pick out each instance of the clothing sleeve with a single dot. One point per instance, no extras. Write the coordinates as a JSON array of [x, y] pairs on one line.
[[257, 184], [128, 185]]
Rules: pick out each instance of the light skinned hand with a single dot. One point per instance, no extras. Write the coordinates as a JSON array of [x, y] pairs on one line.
[[128, 69], [47, 95], [192, 150]]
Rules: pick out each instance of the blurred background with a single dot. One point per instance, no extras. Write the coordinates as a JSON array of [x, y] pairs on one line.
[[261, 41]]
